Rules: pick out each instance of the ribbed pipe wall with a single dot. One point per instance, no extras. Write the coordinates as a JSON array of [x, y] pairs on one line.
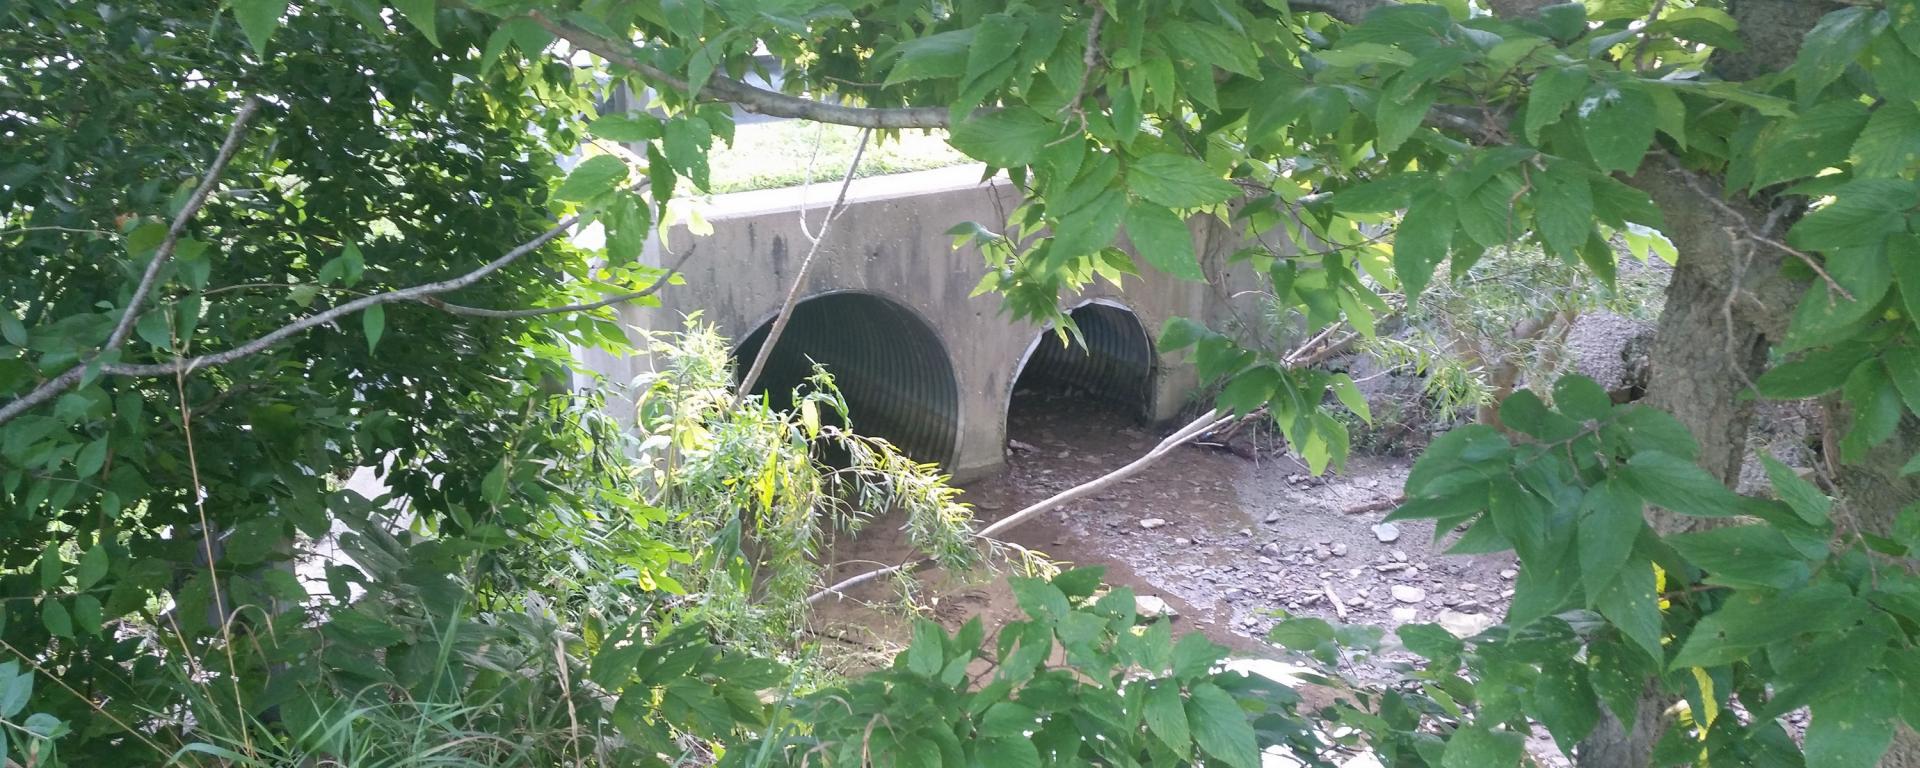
[[1116, 362], [891, 367]]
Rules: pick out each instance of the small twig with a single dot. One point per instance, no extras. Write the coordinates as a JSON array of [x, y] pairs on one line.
[[1748, 228], [1339, 606], [799, 279], [1640, 48]]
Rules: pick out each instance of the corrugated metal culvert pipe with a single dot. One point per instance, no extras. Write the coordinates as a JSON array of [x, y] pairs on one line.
[[1115, 364], [889, 364]]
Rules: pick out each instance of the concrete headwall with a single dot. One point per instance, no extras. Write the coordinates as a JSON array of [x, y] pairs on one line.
[[890, 242]]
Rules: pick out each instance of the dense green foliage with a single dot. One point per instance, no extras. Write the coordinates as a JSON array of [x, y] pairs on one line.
[[149, 505]]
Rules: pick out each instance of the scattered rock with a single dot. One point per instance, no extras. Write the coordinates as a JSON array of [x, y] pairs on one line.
[[1272, 517], [1409, 594], [1149, 607], [1182, 541], [1340, 549], [1464, 625], [1271, 549], [1392, 567], [1020, 447], [1403, 614], [1399, 555], [1508, 573], [1469, 587], [1246, 531], [1152, 523], [1387, 533]]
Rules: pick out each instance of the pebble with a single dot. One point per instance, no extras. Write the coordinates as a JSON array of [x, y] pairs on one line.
[[1508, 573], [1402, 615], [1399, 556], [1464, 625], [1182, 541], [1340, 549], [1409, 594], [1272, 517], [1271, 549], [1150, 607], [1246, 531], [1153, 522], [1469, 587], [1387, 533]]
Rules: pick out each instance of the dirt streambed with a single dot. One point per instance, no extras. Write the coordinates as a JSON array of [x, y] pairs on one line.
[[1224, 540]]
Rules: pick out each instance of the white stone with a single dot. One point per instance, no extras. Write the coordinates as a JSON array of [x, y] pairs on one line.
[[1150, 607], [1408, 594], [1387, 533], [1402, 615], [1153, 522], [1508, 573], [1464, 625]]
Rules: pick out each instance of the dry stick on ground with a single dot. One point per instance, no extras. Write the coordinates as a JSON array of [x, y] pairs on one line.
[[161, 255], [799, 276]]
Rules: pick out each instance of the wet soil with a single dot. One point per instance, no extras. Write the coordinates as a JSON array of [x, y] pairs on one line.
[[1246, 534]]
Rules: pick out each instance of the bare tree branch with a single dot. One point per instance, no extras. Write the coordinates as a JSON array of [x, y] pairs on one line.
[[121, 330], [799, 277], [756, 100], [622, 298], [72, 376], [1349, 11]]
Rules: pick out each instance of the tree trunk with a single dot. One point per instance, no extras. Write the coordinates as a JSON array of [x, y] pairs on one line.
[[1723, 302]]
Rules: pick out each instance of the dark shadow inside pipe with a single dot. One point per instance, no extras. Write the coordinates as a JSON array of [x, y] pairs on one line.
[[889, 364], [1111, 365]]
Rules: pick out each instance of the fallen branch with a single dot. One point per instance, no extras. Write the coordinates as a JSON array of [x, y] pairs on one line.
[[785, 314], [1207, 421], [1339, 607], [161, 255]]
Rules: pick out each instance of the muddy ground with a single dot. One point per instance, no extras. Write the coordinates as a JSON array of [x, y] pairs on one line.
[[1226, 538]]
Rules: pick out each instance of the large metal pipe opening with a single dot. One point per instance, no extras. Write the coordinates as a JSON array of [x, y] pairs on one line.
[[889, 364], [1114, 364]]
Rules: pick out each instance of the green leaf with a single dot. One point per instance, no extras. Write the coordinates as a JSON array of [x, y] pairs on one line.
[[16, 688], [1617, 126], [596, 176], [1194, 656], [1523, 411], [1805, 499], [258, 19], [1863, 213], [12, 329], [1824, 316], [1743, 556], [1421, 242], [1564, 702], [1582, 398], [631, 127], [1820, 137], [1004, 138], [1477, 746], [1163, 239], [995, 39], [1874, 407], [1389, 192], [1854, 729], [1679, 485], [88, 614], [1008, 752], [1829, 47], [1177, 181], [1815, 373], [1753, 619], [934, 56], [54, 615], [1553, 91], [1402, 106], [927, 655], [93, 567], [1890, 143], [1631, 605], [1610, 521], [1903, 254], [1221, 728], [90, 459], [1563, 207], [1167, 719], [373, 321], [1303, 633], [420, 14], [1431, 641], [1349, 395]]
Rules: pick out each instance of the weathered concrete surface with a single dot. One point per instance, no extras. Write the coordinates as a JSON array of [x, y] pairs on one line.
[[890, 241]]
